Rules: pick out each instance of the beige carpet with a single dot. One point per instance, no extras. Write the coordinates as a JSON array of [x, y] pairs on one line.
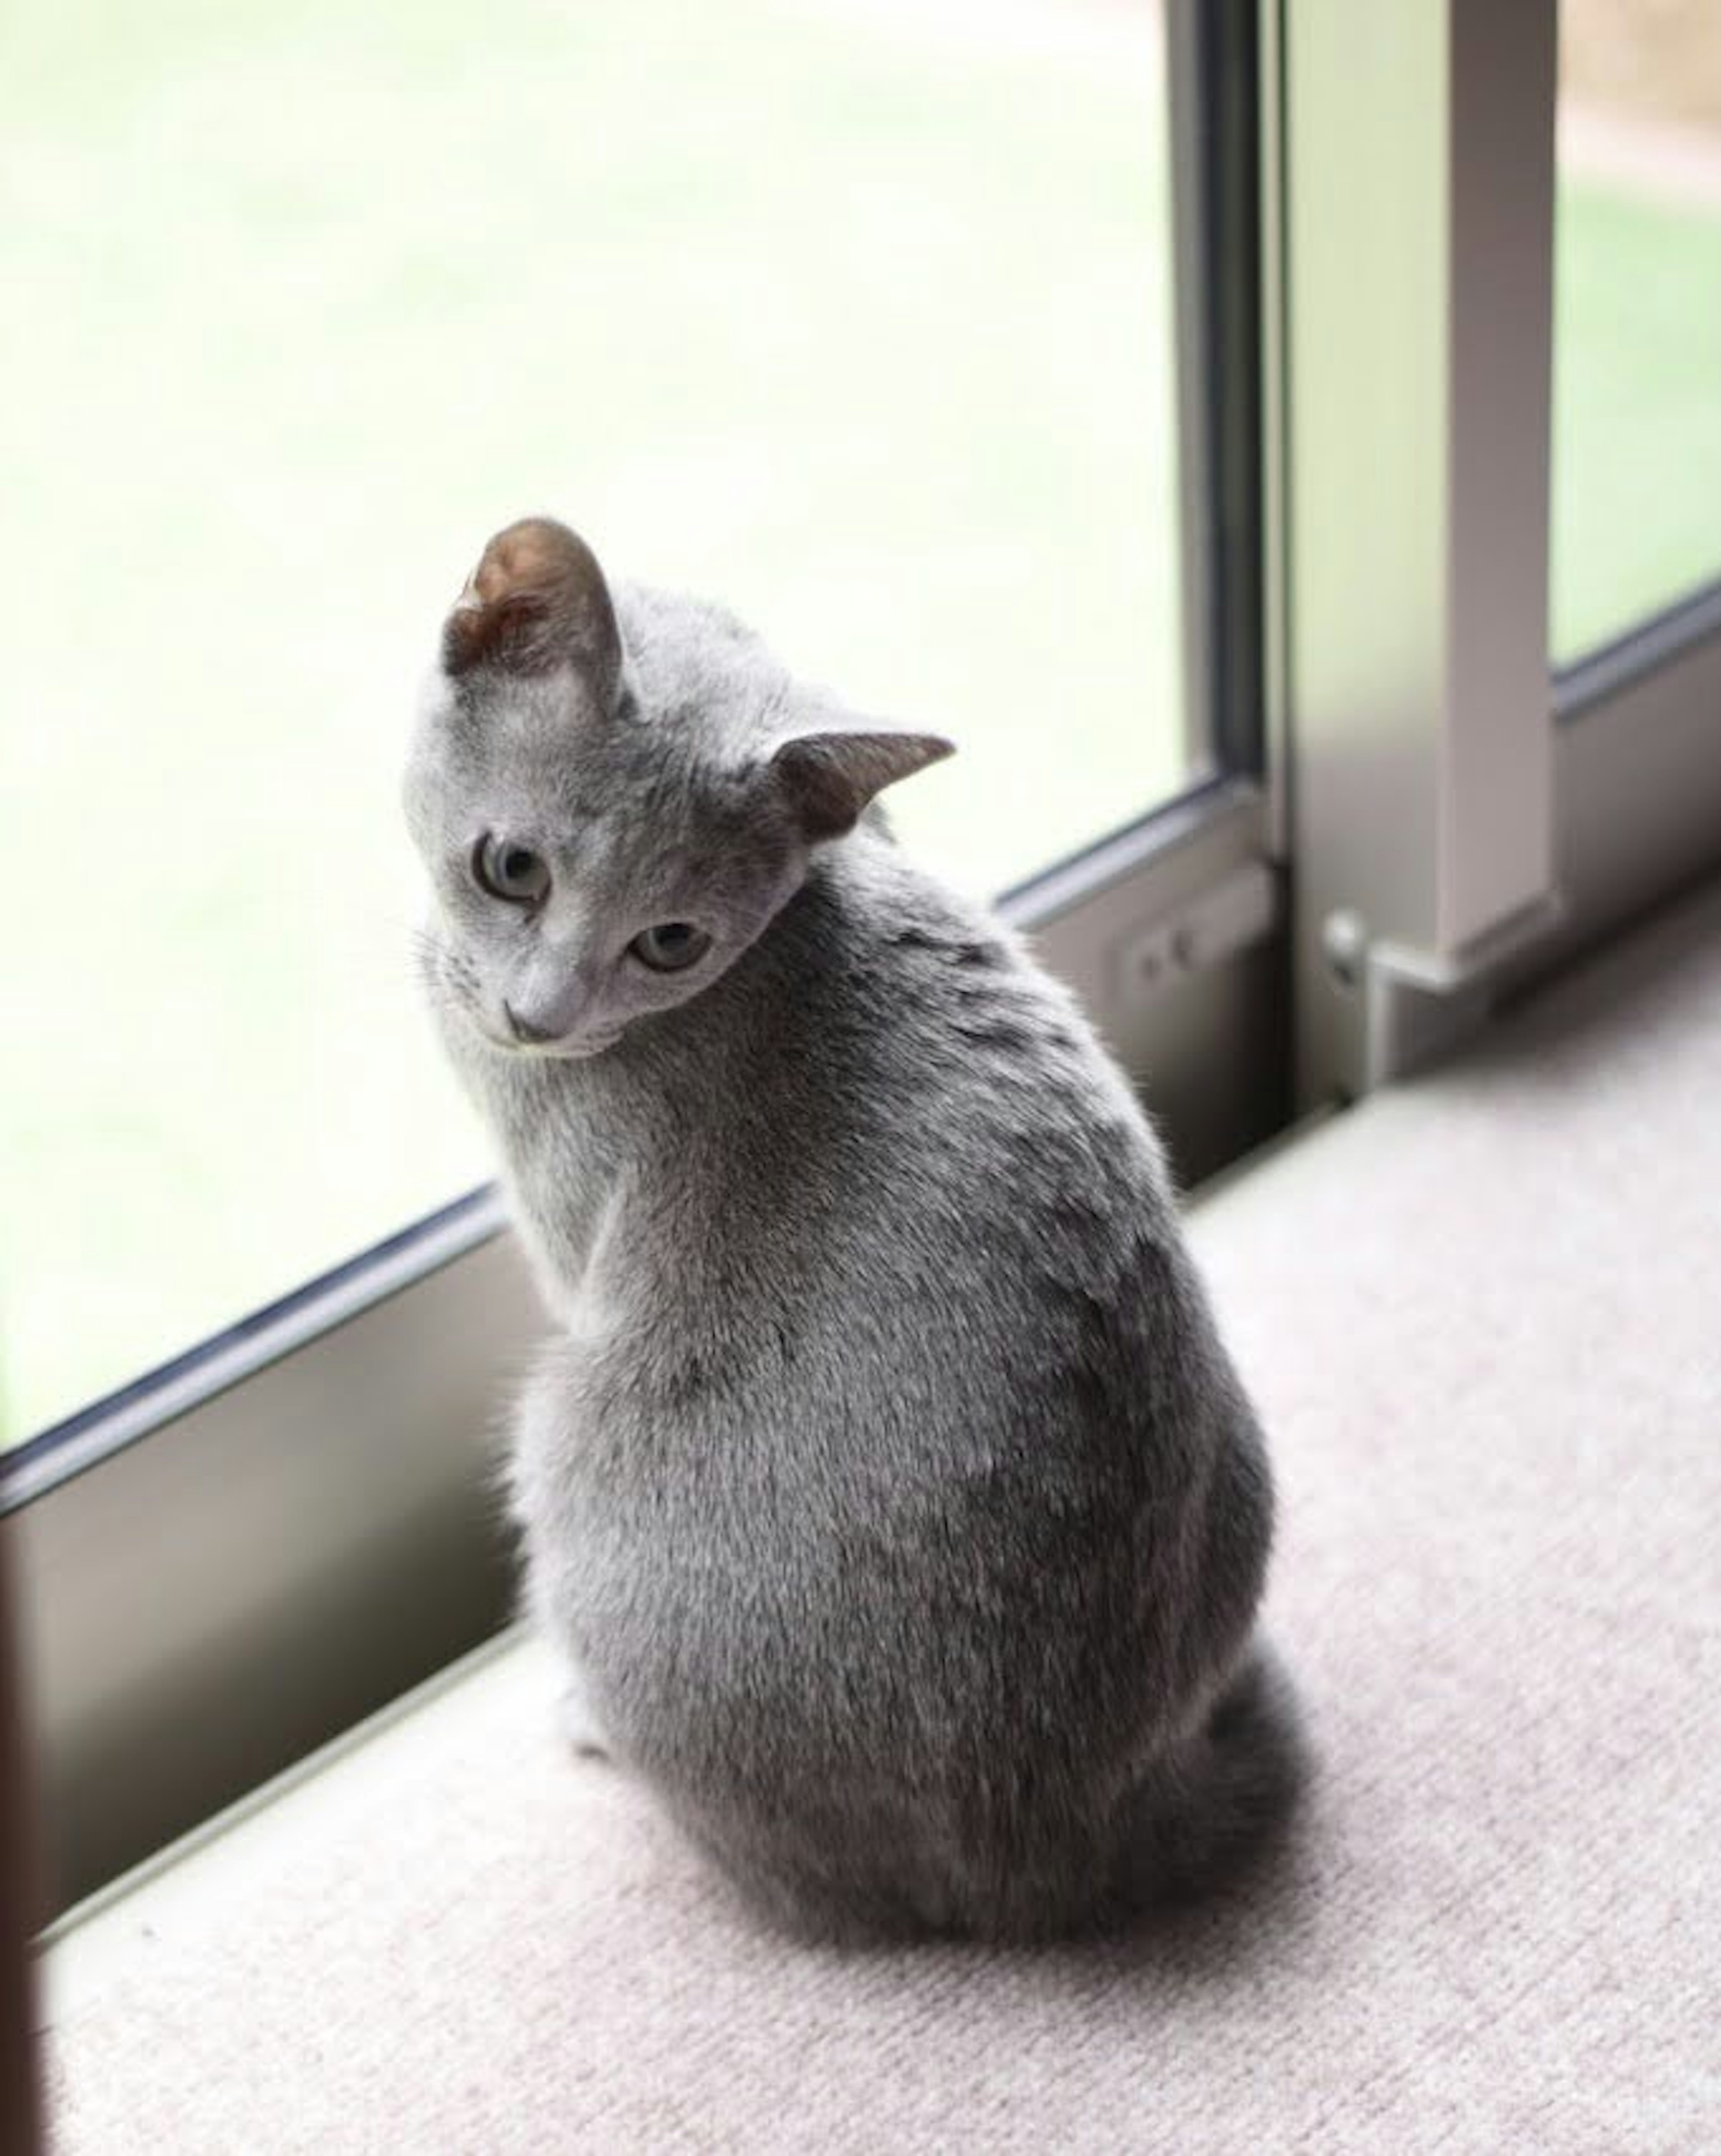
[[1482, 1316]]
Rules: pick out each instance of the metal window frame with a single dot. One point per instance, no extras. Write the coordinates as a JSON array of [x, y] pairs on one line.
[[1459, 823], [1637, 782], [1213, 58], [1414, 222]]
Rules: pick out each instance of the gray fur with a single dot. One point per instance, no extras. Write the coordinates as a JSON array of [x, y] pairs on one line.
[[885, 1486]]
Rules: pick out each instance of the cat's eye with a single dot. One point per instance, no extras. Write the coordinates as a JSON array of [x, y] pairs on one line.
[[510, 872], [671, 946]]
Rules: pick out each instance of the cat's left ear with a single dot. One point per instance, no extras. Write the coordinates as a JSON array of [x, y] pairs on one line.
[[536, 600], [831, 773]]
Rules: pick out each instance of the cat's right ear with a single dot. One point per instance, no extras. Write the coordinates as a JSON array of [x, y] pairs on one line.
[[537, 600], [830, 775]]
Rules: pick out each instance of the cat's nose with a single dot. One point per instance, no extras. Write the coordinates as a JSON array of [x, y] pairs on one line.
[[524, 1031]]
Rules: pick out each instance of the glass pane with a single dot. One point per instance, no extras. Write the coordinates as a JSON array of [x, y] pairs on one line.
[[854, 312], [1637, 315]]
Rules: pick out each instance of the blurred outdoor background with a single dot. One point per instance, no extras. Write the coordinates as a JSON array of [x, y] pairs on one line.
[[857, 313]]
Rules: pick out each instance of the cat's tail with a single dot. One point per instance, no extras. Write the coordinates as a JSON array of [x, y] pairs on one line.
[[1223, 1802]]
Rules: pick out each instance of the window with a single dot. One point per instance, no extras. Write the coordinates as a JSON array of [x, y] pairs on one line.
[[859, 315], [1638, 323], [819, 303], [922, 335]]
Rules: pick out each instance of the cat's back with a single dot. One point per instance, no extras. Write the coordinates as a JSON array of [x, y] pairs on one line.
[[934, 1135], [913, 1243]]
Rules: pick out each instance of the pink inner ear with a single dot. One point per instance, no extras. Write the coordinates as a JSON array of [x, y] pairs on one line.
[[537, 599], [532, 556]]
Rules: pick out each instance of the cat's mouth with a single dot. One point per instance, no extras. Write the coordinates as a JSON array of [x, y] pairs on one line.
[[578, 1049]]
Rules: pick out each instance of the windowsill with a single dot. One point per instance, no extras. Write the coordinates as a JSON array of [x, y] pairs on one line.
[[185, 1894]]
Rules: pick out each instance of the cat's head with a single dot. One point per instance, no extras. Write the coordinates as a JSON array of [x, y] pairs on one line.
[[614, 802]]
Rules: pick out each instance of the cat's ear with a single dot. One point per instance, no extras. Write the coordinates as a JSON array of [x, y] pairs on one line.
[[537, 599], [831, 773]]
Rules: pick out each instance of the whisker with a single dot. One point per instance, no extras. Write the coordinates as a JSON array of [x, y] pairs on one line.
[[448, 981]]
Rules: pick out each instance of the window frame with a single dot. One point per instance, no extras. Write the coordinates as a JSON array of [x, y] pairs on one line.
[[1462, 821]]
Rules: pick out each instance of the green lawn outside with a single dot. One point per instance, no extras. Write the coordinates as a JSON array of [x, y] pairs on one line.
[[1636, 451], [858, 327], [856, 322]]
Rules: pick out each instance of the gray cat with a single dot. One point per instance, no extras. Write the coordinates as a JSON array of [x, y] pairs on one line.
[[897, 1511]]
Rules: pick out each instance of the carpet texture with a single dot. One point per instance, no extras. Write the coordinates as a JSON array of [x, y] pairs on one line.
[[1481, 1315]]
